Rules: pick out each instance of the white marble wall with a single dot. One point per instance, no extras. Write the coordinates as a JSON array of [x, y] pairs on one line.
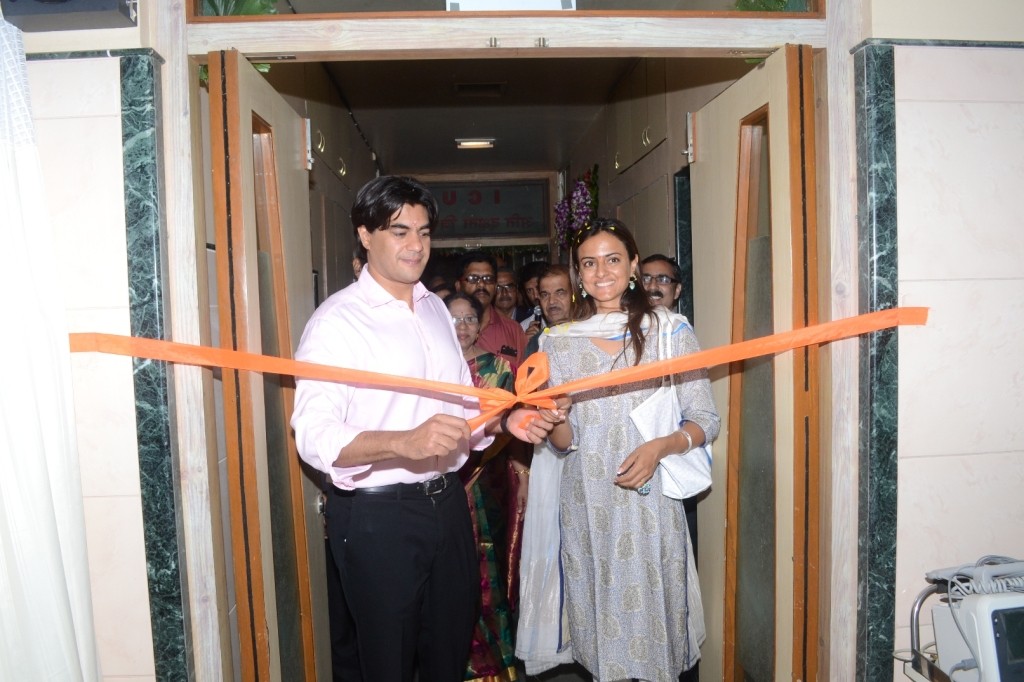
[[960, 189], [946, 19], [76, 107]]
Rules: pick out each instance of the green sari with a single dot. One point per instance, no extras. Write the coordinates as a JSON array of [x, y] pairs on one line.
[[485, 475]]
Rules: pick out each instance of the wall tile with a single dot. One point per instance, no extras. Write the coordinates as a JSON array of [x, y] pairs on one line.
[[104, 397], [962, 375], [81, 161], [960, 203], [952, 511], [117, 565], [959, 74], [75, 88]]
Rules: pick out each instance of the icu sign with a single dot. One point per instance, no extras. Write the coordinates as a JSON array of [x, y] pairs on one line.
[[517, 208]]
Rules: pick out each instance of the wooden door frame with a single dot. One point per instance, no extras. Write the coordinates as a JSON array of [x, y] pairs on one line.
[[806, 366], [846, 24], [807, 511], [238, 386], [254, 652], [746, 210]]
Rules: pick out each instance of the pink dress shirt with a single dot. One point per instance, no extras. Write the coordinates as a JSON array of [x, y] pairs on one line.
[[364, 327]]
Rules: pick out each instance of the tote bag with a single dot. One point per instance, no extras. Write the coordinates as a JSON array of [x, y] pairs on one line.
[[686, 474]]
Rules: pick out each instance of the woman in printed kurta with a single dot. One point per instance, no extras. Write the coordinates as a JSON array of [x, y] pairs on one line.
[[633, 604]]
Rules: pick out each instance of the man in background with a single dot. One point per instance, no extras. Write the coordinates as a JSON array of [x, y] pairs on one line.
[[555, 295], [506, 295], [662, 279], [498, 334], [526, 314]]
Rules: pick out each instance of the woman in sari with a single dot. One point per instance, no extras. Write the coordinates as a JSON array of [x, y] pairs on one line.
[[631, 594], [485, 475]]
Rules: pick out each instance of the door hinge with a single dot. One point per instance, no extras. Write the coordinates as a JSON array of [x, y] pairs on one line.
[[689, 152]]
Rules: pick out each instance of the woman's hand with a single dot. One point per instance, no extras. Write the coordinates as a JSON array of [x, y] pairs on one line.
[[561, 435], [639, 467], [562, 405]]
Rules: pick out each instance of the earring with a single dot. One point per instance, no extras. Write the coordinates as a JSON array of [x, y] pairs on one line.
[[632, 283], [583, 292]]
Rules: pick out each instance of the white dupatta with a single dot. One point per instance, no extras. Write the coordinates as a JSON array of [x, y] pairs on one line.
[[683, 474]]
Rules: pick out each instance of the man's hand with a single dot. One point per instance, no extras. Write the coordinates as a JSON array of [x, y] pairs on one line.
[[437, 437]]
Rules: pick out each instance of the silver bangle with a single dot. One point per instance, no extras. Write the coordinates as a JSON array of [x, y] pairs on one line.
[[689, 440]]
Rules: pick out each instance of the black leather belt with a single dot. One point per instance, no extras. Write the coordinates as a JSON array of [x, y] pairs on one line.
[[400, 491]]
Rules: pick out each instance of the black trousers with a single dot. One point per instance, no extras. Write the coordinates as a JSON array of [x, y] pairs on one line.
[[410, 586]]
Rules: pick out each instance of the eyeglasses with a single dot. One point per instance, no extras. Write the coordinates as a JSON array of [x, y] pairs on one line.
[[506, 287], [473, 279], [660, 279], [468, 320]]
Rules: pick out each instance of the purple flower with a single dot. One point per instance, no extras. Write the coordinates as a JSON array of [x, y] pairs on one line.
[[575, 211]]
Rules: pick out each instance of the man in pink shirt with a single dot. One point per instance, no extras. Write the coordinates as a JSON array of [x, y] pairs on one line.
[[398, 523], [498, 334]]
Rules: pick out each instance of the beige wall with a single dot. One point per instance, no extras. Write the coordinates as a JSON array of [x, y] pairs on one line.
[[959, 149], [690, 84], [948, 19], [76, 107]]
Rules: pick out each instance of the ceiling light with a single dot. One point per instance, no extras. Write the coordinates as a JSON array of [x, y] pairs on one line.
[[474, 142]]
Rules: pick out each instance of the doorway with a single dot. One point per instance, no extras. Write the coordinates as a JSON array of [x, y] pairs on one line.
[[624, 187]]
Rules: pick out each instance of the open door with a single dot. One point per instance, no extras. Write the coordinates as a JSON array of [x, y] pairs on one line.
[[754, 235], [264, 295]]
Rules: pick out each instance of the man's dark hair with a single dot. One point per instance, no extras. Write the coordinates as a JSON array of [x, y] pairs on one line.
[[471, 257], [383, 197], [677, 274], [531, 270], [507, 269]]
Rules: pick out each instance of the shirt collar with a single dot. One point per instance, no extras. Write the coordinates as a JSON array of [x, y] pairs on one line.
[[375, 295]]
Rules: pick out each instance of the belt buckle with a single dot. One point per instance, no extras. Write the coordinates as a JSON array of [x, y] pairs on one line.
[[435, 485]]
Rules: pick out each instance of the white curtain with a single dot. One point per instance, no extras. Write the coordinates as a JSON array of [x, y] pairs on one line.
[[46, 630]]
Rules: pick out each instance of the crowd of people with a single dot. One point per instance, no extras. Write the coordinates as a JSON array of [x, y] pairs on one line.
[[540, 538]]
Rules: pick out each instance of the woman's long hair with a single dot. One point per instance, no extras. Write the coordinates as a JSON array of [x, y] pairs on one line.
[[634, 302]]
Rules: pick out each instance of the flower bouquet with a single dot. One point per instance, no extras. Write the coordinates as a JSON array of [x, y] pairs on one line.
[[574, 211]]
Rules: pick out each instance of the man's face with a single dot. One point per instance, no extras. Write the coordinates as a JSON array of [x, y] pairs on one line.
[[505, 298], [554, 295], [478, 280], [532, 293], [398, 254], [665, 292]]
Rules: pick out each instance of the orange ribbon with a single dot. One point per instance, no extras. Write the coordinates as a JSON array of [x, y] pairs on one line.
[[533, 373]]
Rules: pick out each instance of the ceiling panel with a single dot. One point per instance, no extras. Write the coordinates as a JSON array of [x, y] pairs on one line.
[[536, 109]]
